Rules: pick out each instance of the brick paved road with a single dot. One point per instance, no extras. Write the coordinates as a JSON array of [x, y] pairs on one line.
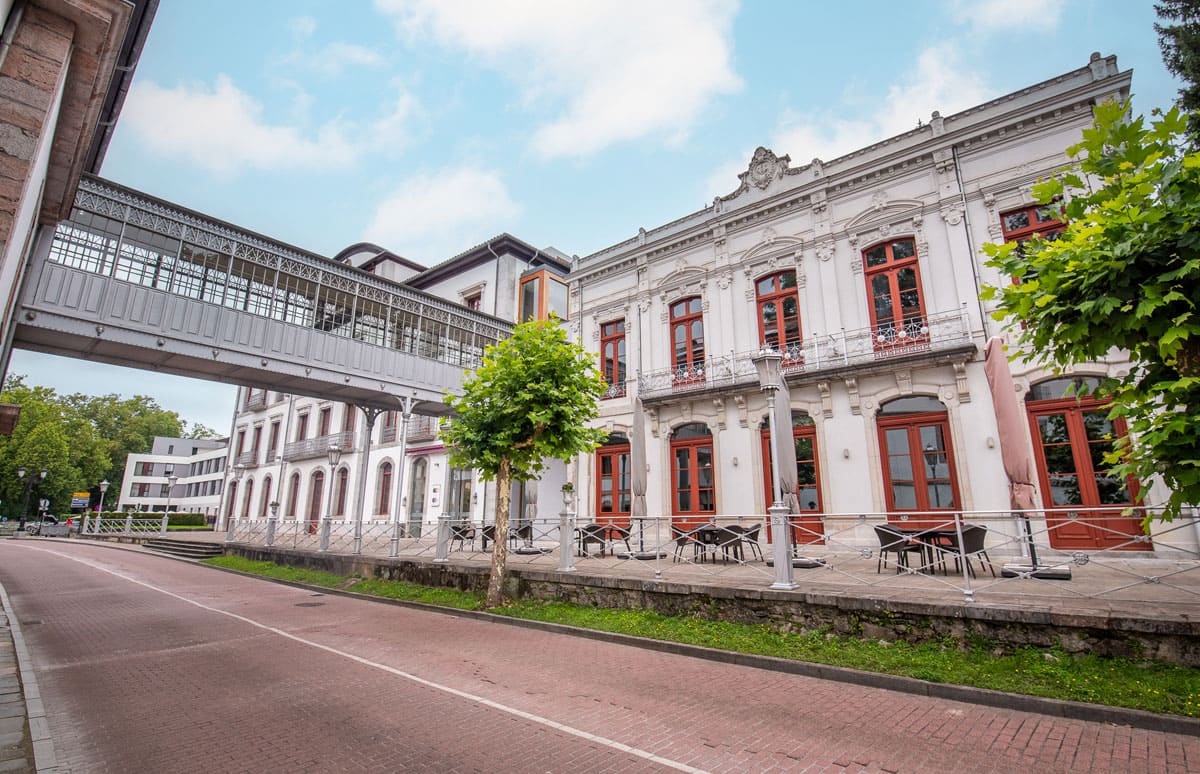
[[152, 665]]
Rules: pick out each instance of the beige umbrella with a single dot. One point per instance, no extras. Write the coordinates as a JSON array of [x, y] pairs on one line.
[[1014, 453], [785, 447], [637, 460]]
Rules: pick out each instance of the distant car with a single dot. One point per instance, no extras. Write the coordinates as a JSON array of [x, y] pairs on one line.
[[34, 526]]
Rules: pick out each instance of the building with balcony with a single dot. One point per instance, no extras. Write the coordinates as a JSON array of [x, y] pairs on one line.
[[180, 475], [862, 272]]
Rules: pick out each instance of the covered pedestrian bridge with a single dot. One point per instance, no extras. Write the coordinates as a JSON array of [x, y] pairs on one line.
[[134, 281]]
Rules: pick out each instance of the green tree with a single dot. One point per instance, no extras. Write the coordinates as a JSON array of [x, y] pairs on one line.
[[199, 431], [1124, 275], [529, 401], [1180, 44], [125, 426]]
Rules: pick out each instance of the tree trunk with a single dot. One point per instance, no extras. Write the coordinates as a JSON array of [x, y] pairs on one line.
[[495, 592]]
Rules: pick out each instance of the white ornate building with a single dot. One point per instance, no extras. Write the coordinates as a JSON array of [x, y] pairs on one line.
[[865, 270]]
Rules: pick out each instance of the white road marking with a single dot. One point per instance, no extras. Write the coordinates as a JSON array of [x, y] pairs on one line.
[[678, 766]]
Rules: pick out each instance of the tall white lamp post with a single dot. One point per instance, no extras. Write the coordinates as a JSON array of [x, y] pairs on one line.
[[103, 490], [335, 456], [171, 479], [766, 362]]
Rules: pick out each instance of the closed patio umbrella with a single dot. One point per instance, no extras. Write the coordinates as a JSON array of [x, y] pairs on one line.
[[1014, 452], [785, 447], [637, 478]]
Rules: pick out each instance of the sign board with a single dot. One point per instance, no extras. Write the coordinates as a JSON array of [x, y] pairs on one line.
[[80, 499], [44, 504]]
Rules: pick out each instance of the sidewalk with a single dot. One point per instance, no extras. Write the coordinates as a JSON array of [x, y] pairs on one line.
[[25, 744]]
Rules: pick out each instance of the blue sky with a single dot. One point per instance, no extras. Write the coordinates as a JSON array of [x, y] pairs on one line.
[[428, 126]]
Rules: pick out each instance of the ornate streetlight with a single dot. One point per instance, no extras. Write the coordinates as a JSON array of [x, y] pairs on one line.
[[766, 362], [29, 482], [103, 490]]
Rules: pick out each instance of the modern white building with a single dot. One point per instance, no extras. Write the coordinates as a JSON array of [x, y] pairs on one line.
[[864, 271], [179, 475]]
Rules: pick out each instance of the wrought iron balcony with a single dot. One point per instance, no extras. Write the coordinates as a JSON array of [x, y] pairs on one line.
[[313, 448], [615, 390], [256, 401], [387, 434], [247, 459], [422, 428], [823, 356]]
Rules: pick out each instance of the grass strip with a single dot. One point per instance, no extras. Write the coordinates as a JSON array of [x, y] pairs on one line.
[[1115, 682]]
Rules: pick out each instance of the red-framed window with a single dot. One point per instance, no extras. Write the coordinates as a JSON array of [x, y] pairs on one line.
[[612, 357], [273, 442], [687, 340], [614, 496], [349, 418], [779, 316], [894, 294], [343, 477], [323, 422], [808, 526], [1023, 223], [265, 500], [254, 443], [384, 498], [919, 471], [473, 301], [293, 496], [241, 443], [301, 427], [315, 490], [246, 498], [693, 485], [1071, 434], [232, 506]]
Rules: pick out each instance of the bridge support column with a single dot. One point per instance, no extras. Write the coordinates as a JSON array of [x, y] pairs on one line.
[[397, 511], [364, 462]]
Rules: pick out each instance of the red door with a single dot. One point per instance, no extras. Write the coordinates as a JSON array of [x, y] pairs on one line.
[[693, 488], [1070, 440], [613, 494], [808, 526], [918, 468]]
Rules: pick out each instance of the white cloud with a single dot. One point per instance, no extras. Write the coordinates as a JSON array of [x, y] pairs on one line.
[[940, 82], [610, 71], [430, 217], [1025, 15], [223, 129], [302, 27]]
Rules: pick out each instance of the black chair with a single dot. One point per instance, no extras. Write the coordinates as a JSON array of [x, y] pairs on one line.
[[521, 532], [749, 537], [893, 541], [728, 540], [615, 532], [973, 539], [462, 532], [592, 534], [684, 538]]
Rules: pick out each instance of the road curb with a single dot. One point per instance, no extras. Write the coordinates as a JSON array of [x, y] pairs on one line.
[[45, 760]]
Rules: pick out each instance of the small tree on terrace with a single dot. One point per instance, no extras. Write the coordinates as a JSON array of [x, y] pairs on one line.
[[1124, 275], [530, 400]]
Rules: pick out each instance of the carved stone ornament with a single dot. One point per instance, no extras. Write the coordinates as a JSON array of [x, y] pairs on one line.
[[765, 166]]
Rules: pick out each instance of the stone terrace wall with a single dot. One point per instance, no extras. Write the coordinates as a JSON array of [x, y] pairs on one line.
[[1176, 642]]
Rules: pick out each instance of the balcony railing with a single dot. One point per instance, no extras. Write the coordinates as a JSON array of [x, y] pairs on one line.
[[422, 428], [247, 459], [312, 448], [817, 355], [614, 390], [387, 434], [256, 401]]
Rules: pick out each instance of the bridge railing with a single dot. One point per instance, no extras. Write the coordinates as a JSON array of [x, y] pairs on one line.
[[124, 525]]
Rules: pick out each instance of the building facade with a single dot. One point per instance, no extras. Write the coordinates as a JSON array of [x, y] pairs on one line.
[[863, 272], [178, 475]]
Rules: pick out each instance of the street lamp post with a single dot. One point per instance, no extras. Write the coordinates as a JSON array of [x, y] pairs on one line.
[[335, 456], [171, 479], [103, 490], [29, 482], [766, 362]]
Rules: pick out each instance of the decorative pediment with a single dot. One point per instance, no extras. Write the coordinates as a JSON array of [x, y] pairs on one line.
[[765, 167], [684, 281], [882, 212]]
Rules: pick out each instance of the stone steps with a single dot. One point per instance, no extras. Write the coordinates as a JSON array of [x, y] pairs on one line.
[[188, 549]]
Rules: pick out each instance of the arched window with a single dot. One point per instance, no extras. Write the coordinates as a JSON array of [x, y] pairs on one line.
[[779, 316], [265, 501], [315, 490], [1071, 434], [613, 492], [918, 461], [693, 488], [894, 294], [384, 498], [231, 509], [293, 496], [343, 476], [687, 340], [416, 503], [612, 357], [246, 498]]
